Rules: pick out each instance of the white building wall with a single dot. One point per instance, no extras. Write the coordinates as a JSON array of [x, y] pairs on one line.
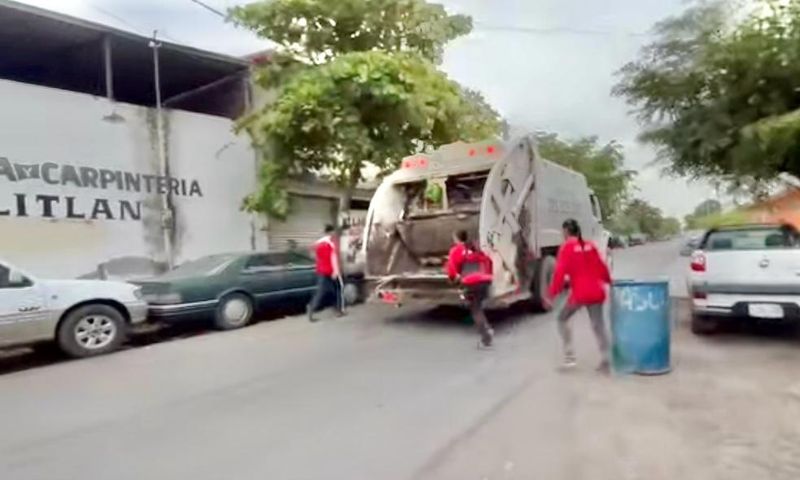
[[41, 127]]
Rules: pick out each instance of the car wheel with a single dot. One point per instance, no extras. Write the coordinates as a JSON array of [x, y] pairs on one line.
[[91, 330], [234, 311], [702, 325], [351, 294], [545, 268]]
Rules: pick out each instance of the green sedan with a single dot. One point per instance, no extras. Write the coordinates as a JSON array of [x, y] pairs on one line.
[[231, 288]]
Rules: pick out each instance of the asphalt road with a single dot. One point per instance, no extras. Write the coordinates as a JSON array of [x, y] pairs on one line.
[[387, 394]]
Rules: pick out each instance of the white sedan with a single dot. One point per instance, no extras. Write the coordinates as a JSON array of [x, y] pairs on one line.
[[85, 317], [748, 271]]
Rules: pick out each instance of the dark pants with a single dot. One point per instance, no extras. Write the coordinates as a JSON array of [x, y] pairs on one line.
[[476, 296], [327, 289]]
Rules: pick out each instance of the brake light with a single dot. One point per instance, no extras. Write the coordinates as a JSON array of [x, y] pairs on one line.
[[419, 162], [699, 262]]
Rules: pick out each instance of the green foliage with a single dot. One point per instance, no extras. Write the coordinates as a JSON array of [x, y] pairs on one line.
[[670, 226], [721, 219], [719, 97], [365, 90], [603, 166], [705, 209], [648, 219], [317, 31]]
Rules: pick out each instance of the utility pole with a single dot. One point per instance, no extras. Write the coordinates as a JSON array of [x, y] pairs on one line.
[[166, 212]]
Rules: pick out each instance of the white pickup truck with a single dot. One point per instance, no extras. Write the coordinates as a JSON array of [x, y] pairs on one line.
[[85, 317], [747, 271]]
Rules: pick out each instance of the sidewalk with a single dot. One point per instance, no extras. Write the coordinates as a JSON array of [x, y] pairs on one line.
[[728, 411]]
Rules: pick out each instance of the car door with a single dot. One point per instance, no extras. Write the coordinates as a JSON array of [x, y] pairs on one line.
[[262, 278], [301, 277], [24, 316]]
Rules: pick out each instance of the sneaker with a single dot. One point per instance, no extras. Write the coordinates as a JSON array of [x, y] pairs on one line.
[[570, 361], [604, 367], [310, 315], [487, 338]]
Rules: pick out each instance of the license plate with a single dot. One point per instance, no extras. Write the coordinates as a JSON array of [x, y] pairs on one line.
[[765, 310]]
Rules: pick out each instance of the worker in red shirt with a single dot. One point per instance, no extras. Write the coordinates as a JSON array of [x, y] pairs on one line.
[[468, 266], [580, 261], [329, 278]]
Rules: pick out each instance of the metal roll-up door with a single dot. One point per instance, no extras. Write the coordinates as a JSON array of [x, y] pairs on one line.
[[304, 224]]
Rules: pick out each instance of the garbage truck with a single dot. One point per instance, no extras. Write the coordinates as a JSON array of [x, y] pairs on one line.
[[510, 200]]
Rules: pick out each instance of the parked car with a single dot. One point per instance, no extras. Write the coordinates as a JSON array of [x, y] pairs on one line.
[[637, 239], [615, 241], [749, 271], [691, 244], [85, 317], [231, 288]]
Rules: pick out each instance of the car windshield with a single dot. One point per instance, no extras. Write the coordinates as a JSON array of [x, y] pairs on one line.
[[753, 239], [201, 267]]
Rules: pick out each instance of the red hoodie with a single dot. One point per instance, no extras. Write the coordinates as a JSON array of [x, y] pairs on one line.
[[474, 266], [588, 273]]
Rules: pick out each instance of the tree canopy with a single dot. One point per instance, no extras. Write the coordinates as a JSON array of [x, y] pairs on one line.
[[316, 31], [719, 93], [603, 166], [357, 85]]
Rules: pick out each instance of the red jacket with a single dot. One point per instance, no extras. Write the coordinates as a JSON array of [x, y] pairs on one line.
[[325, 250], [588, 273], [473, 266]]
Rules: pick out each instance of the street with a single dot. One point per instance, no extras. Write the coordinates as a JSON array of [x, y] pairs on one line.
[[405, 394]]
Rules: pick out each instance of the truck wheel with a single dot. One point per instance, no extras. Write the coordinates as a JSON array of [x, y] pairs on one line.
[[234, 311], [702, 325], [545, 268], [351, 294], [91, 330]]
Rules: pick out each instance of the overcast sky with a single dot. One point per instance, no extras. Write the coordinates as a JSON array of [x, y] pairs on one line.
[[556, 77]]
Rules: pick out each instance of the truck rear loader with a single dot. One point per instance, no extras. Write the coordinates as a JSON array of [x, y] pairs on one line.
[[510, 200]]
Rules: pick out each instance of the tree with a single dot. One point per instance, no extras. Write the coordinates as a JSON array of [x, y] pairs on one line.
[[603, 166], [647, 218], [718, 92], [705, 209], [365, 91], [670, 226]]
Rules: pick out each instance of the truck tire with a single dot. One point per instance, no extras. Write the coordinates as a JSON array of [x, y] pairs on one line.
[[543, 275], [91, 330], [702, 325], [352, 293]]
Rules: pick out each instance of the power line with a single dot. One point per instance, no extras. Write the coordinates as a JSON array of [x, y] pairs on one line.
[[209, 8], [128, 24]]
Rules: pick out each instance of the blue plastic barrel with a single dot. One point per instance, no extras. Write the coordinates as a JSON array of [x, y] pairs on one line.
[[640, 326]]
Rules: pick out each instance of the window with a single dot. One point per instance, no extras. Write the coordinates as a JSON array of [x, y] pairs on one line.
[[204, 266], [12, 279], [272, 261], [284, 259], [753, 239], [595, 206]]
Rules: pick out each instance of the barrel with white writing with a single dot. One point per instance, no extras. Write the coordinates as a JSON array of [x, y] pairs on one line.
[[640, 326]]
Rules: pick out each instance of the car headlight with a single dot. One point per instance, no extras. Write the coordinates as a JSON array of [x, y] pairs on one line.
[[137, 293], [164, 298]]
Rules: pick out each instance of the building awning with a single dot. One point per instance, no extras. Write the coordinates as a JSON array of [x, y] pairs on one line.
[[50, 49]]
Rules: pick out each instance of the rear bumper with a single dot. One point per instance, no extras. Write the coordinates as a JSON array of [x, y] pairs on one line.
[[738, 307]]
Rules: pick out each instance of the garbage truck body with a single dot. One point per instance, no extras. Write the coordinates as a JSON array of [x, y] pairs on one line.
[[511, 202]]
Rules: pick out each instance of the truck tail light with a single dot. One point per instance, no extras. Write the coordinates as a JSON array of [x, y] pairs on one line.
[[699, 262]]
